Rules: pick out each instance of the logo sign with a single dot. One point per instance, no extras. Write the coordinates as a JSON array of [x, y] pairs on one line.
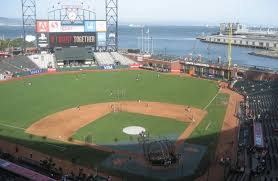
[[108, 67], [101, 26], [35, 71], [68, 29], [90, 26], [42, 40], [54, 26], [42, 26]]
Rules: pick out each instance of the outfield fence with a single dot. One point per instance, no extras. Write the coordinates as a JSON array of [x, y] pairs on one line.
[[67, 69]]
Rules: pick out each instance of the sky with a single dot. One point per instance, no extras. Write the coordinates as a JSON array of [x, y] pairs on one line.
[[169, 12]]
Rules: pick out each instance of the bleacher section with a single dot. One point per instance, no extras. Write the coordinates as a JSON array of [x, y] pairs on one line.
[[122, 59], [43, 61], [104, 58], [16, 64], [260, 106]]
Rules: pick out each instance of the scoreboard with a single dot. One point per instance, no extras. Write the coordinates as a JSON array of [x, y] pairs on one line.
[[51, 34]]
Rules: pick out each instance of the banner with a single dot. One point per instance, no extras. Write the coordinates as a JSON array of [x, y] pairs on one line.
[[42, 27], [73, 28], [101, 26], [90, 26], [54, 26]]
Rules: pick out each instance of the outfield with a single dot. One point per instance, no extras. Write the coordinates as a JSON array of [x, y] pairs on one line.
[[22, 105]]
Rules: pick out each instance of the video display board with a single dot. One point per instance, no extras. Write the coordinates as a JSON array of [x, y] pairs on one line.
[[72, 39], [52, 34]]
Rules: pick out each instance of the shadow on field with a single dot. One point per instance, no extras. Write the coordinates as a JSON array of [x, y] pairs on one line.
[[88, 157]]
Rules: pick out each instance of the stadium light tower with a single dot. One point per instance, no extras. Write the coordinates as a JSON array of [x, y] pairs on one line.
[[112, 25], [28, 18]]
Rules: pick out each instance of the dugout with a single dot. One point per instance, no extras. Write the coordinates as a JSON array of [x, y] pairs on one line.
[[74, 56]]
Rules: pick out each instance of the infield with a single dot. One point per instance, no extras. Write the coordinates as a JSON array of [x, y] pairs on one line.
[[108, 130]]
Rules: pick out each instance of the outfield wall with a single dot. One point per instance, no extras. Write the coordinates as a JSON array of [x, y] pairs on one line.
[[67, 69]]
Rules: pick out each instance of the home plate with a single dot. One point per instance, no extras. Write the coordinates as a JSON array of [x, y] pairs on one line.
[[134, 130]]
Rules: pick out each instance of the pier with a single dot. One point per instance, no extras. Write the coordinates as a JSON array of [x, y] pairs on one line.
[[262, 42]]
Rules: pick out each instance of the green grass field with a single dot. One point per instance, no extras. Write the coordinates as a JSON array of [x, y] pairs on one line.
[[105, 130], [22, 105]]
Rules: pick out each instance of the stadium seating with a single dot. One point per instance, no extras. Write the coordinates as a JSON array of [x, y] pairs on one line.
[[122, 59], [260, 105], [104, 58], [43, 60], [16, 64], [6, 176]]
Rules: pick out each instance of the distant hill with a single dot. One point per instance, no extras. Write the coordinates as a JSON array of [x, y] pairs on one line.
[[10, 21]]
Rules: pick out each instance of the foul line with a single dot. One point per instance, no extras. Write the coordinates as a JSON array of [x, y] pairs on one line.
[[61, 148], [208, 126], [211, 101], [10, 126]]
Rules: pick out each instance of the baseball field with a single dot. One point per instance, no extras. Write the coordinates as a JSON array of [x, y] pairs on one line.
[[55, 114]]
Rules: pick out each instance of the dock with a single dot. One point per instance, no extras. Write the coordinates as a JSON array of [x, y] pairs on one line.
[[251, 41]]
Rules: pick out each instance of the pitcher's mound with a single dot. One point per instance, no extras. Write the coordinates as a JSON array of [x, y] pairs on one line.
[[134, 130]]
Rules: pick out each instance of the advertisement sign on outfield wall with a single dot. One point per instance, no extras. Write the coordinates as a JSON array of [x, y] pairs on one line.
[[90, 26], [108, 67], [51, 70], [35, 71], [101, 26]]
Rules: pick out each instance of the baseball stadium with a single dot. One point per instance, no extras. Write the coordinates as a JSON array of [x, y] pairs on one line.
[[78, 108]]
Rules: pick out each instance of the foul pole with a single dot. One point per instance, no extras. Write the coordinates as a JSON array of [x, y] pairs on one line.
[[230, 50]]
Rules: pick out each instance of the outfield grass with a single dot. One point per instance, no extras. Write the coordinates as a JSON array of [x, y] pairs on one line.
[[22, 105], [105, 130]]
